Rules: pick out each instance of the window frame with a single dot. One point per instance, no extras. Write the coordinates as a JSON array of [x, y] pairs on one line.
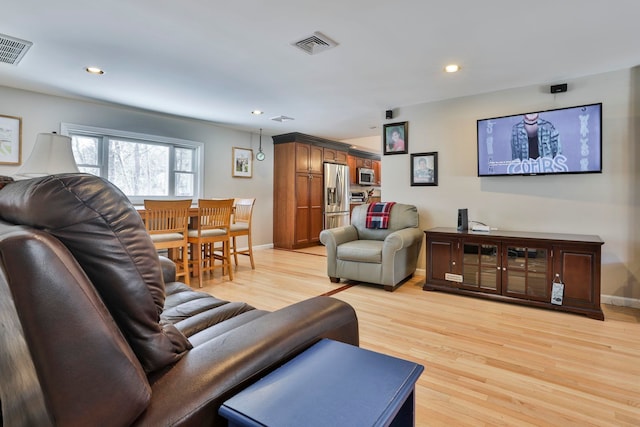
[[68, 129]]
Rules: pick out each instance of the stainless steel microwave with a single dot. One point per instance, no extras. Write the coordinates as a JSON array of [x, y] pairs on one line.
[[366, 176]]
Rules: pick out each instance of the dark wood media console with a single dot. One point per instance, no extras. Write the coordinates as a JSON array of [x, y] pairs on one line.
[[517, 267]]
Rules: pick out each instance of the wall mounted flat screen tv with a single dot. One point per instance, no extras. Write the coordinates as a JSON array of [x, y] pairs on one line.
[[564, 140]]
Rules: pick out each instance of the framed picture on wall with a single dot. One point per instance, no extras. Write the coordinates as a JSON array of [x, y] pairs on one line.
[[424, 169], [396, 138], [10, 140], [242, 163]]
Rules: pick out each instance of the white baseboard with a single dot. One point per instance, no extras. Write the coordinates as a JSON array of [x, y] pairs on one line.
[[265, 246], [620, 301]]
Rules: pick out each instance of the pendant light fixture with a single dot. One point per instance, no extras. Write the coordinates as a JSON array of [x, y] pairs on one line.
[[260, 154]]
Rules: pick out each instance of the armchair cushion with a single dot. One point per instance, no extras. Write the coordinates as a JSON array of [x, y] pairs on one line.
[[361, 251]]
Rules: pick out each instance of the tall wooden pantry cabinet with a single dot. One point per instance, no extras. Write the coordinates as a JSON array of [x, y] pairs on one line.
[[298, 187]]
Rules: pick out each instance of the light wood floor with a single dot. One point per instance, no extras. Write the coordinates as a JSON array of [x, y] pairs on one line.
[[486, 363]]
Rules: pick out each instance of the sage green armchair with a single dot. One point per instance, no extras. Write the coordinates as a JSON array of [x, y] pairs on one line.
[[380, 256]]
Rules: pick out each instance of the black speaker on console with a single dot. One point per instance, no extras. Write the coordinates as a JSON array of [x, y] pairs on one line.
[[463, 220]]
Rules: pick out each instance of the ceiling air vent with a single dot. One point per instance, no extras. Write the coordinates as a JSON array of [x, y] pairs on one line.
[[315, 43], [281, 118], [12, 49]]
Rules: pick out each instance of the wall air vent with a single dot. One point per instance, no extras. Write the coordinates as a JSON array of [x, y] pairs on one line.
[[12, 49], [315, 43]]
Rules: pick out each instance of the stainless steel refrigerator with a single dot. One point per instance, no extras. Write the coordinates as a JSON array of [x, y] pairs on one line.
[[336, 195]]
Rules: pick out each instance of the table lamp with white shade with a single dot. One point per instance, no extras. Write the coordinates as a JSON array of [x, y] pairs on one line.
[[52, 154]]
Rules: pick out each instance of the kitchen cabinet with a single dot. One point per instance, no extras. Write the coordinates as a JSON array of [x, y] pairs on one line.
[[308, 158], [362, 162], [341, 157], [308, 213], [377, 171], [353, 173], [359, 161], [517, 267], [298, 185], [335, 156], [298, 195]]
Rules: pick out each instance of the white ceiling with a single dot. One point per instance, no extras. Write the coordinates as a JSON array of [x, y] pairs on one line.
[[217, 61]]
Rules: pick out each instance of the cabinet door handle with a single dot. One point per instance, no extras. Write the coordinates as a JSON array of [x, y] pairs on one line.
[[453, 263]]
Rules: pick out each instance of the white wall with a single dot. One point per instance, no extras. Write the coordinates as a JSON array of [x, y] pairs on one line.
[[367, 143], [602, 204], [605, 204], [43, 113]]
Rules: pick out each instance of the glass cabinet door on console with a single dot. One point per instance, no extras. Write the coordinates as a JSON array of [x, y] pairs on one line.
[[487, 266], [464, 264], [481, 266], [527, 272]]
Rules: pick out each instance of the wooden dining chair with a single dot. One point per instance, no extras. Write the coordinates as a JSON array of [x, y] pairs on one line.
[[213, 226], [167, 222], [241, 226]]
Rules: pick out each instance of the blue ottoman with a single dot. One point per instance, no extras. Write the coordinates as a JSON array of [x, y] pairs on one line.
[[330, 384]]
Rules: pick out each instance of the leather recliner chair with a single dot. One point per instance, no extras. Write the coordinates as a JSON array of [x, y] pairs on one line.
[[94, 329], [380, 256]]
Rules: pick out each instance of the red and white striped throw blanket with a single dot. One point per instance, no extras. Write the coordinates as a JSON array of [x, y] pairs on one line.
[[378, 215]]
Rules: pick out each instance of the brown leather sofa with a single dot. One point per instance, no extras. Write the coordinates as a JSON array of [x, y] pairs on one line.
[[94, 330]]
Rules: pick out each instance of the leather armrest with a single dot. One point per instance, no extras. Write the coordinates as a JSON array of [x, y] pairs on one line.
[[80, 354], [168, 269], [333, 237], [402, 238], [400, 253], [191, 392]]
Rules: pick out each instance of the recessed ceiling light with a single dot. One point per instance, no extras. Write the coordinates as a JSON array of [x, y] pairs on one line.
[[452, 68], [94, 70], [257, 112]]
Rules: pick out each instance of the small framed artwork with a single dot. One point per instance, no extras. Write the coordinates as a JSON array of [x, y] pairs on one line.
[[396, 138], [424, 169], [242, 163], [10, 140]]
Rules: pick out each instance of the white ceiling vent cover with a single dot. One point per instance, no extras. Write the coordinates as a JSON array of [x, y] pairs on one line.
[[315, 43], [281, 118], [12, 49]]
